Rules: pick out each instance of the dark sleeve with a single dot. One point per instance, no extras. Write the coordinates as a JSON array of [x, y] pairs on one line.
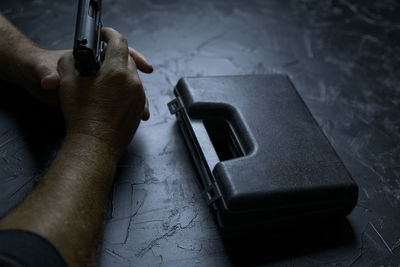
[[23, 248]]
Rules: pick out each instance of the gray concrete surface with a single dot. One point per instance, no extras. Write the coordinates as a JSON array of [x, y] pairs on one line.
[[343, 58]]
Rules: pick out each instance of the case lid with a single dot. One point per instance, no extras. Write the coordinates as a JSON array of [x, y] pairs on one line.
[[279, 157]]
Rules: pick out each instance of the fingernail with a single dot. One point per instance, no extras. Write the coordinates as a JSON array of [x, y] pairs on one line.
[[50, 82]]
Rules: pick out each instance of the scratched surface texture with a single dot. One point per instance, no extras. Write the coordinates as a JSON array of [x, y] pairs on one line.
[[343, 57]]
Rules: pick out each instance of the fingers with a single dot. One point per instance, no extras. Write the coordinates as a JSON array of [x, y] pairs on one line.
[[133, 71], [119, 55], [117, 48], [146, 112], [140, 60]]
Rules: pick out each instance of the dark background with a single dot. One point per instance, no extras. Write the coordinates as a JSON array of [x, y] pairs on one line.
[[343, 58]]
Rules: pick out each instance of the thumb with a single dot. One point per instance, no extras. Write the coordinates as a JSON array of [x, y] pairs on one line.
[[65, 65], [46, 68], [50, 79]]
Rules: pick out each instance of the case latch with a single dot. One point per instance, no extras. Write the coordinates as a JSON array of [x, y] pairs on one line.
[[211, 193], [174, 106]]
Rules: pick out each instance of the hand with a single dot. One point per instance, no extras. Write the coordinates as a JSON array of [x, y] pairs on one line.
[[36, 71], [109, 105], [33, 68]]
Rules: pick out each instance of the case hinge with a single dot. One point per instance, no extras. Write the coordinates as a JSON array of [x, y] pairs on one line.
[[211, 194], [174, 106]]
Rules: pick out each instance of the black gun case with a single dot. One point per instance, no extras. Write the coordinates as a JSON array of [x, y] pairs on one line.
[[261, 157]]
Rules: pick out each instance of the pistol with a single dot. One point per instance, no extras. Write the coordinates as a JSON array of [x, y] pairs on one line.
[[88, 47]]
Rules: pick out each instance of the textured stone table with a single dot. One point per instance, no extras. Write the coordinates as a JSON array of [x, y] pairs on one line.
[[342, 57]]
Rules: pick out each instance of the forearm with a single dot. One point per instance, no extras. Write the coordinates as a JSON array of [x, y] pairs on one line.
[[12, 38], [67, 205], [16, 50]]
